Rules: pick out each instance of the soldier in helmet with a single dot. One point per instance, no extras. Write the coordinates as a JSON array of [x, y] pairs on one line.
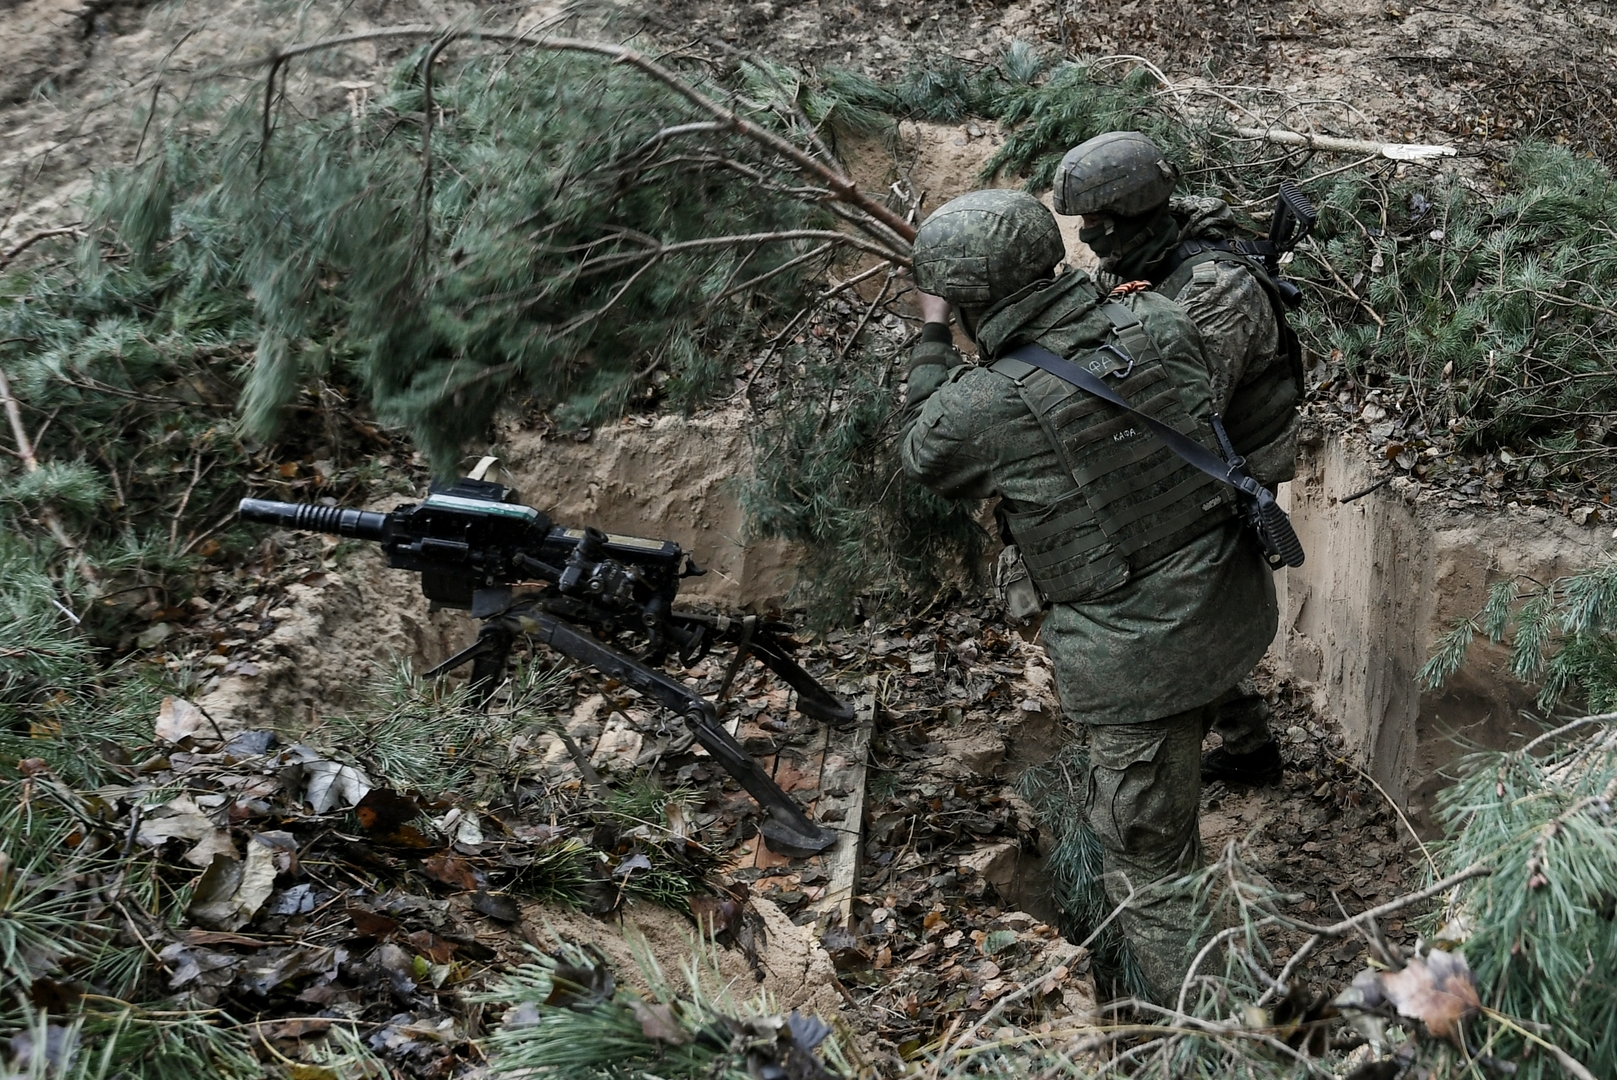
[[1122, 185], [1157, 601]]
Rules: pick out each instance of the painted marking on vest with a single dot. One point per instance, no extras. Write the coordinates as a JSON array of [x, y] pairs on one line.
[[1210, 503], [1126, 433]]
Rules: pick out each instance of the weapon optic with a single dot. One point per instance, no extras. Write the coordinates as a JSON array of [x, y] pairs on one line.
[[581, 591]]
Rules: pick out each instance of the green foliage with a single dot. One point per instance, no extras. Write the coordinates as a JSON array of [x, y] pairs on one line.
[[1075, 103], [567, 1020], [529, 250], [1542, 939], [124, 383], [124, 1042], [1055, 790], [1493, 308], [827, 476], [67, 894], [1563, 636], [56, 701], [430, 736]]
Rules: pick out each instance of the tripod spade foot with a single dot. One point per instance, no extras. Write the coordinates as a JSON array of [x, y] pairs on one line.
[[794, 842]]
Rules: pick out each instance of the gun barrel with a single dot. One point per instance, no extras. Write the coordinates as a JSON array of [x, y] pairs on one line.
[[336, 520]]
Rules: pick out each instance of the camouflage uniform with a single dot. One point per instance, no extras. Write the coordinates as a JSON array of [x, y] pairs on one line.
[[1122, 172], [1142, 663], [1239, 328]]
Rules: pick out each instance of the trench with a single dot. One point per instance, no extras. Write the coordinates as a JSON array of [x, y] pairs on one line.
[[1386, 574]]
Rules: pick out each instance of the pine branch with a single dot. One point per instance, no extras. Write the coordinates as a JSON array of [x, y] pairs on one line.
[[841, 186]]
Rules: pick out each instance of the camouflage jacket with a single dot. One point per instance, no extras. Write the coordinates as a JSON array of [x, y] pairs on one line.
[[1238, 326], [1185, 628]]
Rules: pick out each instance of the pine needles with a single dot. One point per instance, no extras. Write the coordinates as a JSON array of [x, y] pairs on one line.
[[827, 476], [568, 1020], [1563, 636], [1055, 791], [530, 249], [1540, 931]]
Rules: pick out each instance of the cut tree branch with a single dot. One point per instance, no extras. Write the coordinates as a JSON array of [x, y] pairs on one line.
[[8, 257], [842, 187], [1392, 151]]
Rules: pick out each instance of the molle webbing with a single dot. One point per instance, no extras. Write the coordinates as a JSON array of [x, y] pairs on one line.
[[1134, 500], [1259, 410]]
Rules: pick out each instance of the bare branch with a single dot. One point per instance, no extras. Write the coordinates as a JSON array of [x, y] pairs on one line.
[[1392, 151], [424, 190], [674, 132], [1348, 925], [751, 283], [10, 256]]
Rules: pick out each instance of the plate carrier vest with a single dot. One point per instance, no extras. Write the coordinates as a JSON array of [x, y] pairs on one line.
[[1134, 500]]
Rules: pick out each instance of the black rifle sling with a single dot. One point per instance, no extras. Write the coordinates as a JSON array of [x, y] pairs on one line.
[[1268, 514], [1187, 448]]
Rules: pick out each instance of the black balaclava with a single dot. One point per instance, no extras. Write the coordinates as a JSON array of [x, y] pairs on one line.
[[1131, 245]]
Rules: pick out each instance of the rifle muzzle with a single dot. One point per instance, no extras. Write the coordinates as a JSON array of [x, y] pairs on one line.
[[336, 520]]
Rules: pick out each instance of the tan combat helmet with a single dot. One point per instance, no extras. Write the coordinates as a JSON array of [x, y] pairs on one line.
[[1121, 173], [978, 249]]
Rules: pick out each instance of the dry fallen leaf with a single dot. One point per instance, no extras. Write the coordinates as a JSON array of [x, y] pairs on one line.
[[332, 783], [451, 870], [657, 1023], [178, 719], [230, 893], [1438, 990]]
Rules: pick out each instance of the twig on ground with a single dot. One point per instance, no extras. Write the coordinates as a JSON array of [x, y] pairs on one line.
[[1392, 151], [1377, 486], [185, 500], [1336, 930], [1413, 835], [9, 256]]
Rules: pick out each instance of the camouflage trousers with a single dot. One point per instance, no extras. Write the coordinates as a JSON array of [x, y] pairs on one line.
[[1143, 800]]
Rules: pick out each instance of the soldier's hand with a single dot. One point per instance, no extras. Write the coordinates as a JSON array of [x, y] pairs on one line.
[[932, 308]]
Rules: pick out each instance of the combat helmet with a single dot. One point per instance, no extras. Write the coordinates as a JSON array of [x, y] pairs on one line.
[[1122, 173], [978, 249]]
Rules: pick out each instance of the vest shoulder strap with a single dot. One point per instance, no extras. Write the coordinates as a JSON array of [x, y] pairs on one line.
[[1193, 253]]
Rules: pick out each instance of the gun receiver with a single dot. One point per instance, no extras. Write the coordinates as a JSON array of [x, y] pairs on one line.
[[473, 543], [1294, 218]]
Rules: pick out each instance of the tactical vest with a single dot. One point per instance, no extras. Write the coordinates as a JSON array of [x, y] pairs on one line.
[[1134, 500], [1260, 410]]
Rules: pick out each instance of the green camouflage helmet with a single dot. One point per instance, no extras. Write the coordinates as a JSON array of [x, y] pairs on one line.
[[985, 245], [1120, 173]]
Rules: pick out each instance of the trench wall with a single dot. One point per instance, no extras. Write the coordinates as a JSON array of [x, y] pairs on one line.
[[1386, 575]]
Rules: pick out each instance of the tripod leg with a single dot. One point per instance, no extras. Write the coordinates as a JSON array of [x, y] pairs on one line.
[[489, 665]]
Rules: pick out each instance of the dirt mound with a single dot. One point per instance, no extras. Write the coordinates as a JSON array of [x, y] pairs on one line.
[[322, 638]]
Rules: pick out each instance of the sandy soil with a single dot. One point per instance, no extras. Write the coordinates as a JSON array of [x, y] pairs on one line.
[[79, 81]]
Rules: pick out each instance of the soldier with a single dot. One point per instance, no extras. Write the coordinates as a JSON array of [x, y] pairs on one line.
[[1158, 601], [1121, 185]]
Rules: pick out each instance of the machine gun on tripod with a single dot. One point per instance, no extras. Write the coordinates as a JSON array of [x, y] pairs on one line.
[[475, 546]]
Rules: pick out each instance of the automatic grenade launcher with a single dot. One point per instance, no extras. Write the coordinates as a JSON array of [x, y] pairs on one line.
[[472, 543]]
